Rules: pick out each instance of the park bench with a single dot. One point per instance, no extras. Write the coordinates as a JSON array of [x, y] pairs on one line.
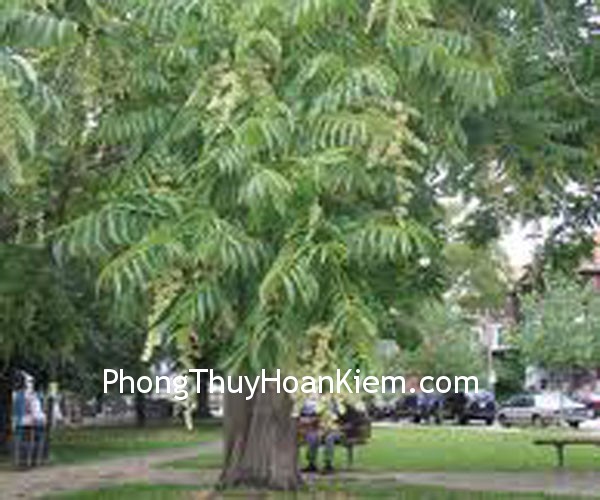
[[355, 435], [352, 434], [561, 443]]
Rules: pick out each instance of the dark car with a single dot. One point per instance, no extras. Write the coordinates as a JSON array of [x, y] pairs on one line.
[[419, 407], [380, 409], [466, 406]]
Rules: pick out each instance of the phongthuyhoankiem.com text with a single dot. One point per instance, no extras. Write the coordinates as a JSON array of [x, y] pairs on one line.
[[344, 382]]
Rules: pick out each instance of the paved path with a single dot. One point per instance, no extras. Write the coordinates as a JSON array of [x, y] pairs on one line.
[[143, 469], [39, 482], [552, 483]]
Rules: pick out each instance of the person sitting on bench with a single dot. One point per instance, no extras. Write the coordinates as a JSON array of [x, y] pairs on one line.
[[318, 424]]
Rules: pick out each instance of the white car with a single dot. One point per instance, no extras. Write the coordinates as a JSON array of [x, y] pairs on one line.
[[542, 409]]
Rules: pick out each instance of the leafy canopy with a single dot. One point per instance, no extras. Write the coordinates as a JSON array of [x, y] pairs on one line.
[[269, 164], [560, 326]]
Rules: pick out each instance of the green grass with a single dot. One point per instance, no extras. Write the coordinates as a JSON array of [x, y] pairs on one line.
[[404, 448], [469, 449], [451, 449], [335, 491], [77, 445]]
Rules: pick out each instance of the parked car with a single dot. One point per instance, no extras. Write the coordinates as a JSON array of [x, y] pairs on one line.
[[542, 409], [591, 400], [466, 406], [380, 409], [419, 407]]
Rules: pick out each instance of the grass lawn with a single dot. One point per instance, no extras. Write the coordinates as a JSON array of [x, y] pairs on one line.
[[402, 448], [452, 449], [470, 449], [84, 444], [339, 492]]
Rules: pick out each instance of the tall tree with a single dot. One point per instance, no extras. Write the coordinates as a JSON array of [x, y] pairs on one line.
[[449, 344], [271, 164], [559, 331], [535, 154], [38, 322]]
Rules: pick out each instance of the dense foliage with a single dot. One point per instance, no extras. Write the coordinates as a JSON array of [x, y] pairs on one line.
[[449, 347], [271, 180], [559, 331], [260, 181]]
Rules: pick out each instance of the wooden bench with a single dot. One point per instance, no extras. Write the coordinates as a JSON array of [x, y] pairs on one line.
[[355, 436], [560, 443]]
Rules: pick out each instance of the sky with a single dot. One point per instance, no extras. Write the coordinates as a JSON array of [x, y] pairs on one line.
[[519, 242]]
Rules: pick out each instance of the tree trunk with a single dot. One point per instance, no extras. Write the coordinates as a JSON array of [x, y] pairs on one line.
[[203, 406], [140, 409], [5, 413], [260, 442]]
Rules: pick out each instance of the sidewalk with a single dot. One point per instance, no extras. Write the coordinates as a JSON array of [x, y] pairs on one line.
[[550, 483], [39, 482]]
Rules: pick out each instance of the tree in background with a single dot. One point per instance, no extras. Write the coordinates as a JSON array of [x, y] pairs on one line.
[[51, 322], [38, 322], [510, 372], [449, 345], [560, 328], [479, 277], [535, 154]]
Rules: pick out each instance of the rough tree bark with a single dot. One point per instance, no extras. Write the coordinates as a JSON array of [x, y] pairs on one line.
[[203, 402], [260, 442], [140, 409], [5, 413]]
